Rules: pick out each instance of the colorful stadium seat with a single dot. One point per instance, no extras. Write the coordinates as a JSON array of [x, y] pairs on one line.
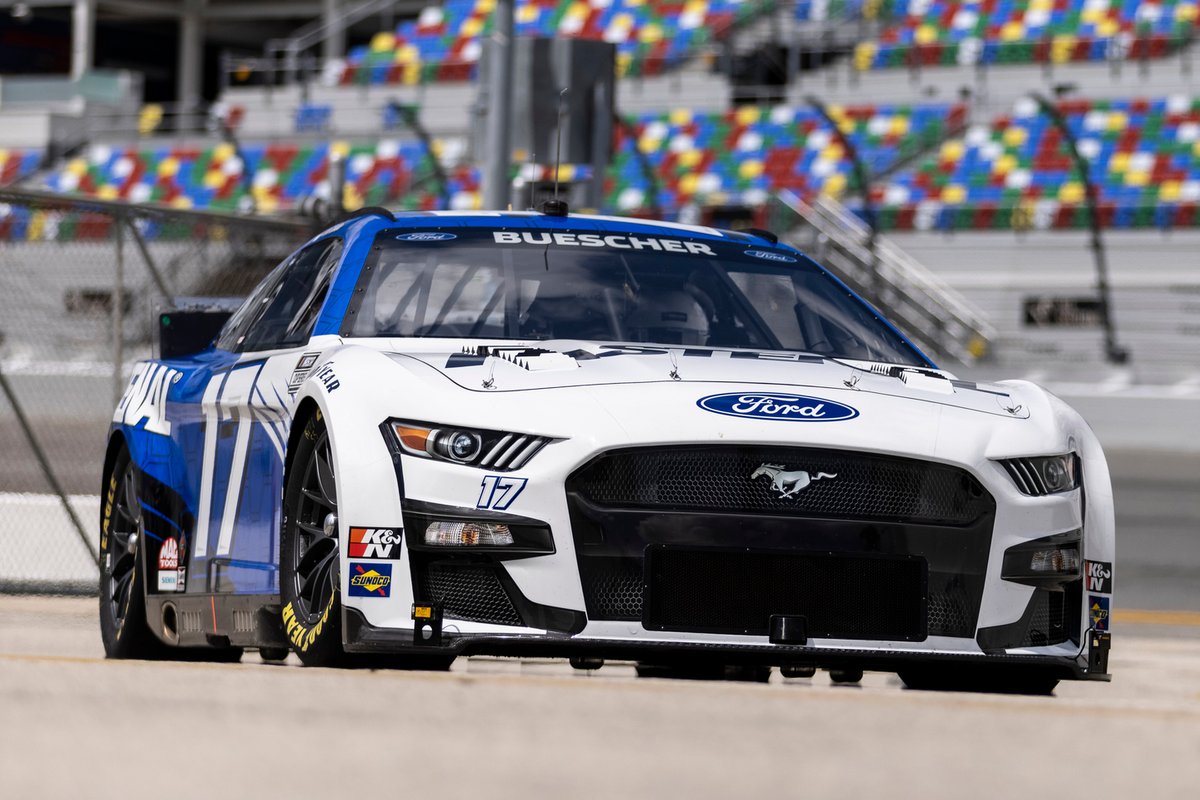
[[17, 164], [744, 155], [445, 42], [1144, 158], [938, 32], [275, 177]]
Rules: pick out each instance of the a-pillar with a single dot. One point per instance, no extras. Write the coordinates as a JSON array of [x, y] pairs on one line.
[[83, 37]]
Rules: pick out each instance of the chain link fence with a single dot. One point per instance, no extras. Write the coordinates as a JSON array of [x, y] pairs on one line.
[[80, 284]]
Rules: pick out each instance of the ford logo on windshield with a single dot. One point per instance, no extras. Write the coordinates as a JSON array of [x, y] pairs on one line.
[[426, 236], [768, 405], [769, 256]]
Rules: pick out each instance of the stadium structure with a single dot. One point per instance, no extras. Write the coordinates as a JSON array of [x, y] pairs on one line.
[[1015, 181]]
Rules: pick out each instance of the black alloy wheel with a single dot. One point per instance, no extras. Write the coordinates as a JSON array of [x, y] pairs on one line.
[[309, 558]]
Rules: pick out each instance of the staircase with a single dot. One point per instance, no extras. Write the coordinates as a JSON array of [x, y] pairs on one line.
[[938, 319]]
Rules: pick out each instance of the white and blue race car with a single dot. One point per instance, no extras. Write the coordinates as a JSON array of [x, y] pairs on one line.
[[432, 435]]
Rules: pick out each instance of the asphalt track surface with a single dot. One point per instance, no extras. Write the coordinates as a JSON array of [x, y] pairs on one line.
[[75, 725]]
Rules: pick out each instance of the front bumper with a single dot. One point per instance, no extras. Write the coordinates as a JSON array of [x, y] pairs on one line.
[[362, 637]]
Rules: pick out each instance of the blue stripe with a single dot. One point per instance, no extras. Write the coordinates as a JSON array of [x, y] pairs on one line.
[[159, 514]]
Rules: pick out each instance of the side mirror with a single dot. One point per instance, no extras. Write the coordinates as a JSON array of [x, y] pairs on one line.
[[191, 324]]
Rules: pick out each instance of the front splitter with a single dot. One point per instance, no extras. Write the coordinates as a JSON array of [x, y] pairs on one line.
[[362, 637]]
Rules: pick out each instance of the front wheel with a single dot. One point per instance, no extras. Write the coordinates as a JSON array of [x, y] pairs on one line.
[[309, 561]]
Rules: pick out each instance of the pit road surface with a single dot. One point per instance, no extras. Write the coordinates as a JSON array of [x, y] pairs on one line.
[[74, 725]]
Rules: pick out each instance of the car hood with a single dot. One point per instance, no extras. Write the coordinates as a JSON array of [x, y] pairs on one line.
[[542, 366]]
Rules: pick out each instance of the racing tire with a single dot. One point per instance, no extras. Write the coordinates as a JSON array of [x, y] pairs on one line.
[[123, 627], [274, 655], [309, 557], [980, 679]]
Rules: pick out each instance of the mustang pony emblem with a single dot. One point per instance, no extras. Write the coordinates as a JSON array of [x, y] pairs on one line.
[[788, 483]]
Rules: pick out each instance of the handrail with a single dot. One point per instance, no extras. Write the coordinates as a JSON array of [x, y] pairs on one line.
[[936, 316]]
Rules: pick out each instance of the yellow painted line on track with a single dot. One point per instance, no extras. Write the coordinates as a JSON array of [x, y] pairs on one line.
[[1137, 617]]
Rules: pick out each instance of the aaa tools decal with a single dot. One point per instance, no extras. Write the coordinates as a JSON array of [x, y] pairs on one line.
[[370, 580], [1098, 611], [1099, 576], [788, 483], [375, 542], [498, 492], [785, 407]]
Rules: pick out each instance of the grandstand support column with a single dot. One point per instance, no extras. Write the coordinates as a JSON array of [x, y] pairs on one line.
[[334, 44], [83, 37], [118, 311], [1112, 351], [498, 147], [863, 178], [191, 57]]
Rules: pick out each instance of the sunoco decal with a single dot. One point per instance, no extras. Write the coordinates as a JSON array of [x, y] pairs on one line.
[[370, 580], [784, 407], [767, 255], [426, 236], [1098, 612]]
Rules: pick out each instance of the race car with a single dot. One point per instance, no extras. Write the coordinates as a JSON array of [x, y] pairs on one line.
[[430, 435]]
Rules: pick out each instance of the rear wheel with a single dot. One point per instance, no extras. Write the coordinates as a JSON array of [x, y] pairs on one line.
[[309, 561], [122, 597]]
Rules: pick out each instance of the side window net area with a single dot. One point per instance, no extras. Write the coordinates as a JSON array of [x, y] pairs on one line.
[[283, 309], [472, 287]]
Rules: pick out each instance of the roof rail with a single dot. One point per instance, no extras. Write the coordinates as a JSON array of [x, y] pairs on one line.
[[366, 211]]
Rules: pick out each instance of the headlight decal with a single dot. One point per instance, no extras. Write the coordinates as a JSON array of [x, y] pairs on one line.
[[1040, 476], [498, 450]]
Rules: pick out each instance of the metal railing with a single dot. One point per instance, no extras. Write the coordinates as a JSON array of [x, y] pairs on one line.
[[83, 282], [939, 319]]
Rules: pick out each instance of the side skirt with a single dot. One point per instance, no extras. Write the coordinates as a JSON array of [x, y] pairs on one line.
[[216, 620]]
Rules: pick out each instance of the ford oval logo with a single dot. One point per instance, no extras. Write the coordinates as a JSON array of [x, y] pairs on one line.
[[769, 405], [769, 256], [426, 236]]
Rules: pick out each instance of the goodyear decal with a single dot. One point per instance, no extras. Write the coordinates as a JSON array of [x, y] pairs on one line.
[[370, 580], [300, 635]]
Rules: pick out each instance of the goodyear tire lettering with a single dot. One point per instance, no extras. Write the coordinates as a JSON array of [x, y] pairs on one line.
[[300, 635]]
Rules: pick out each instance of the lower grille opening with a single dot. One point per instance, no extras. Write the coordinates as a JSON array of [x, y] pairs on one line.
[[471, 592], [845, 597], [1054, 618], [613, 590]]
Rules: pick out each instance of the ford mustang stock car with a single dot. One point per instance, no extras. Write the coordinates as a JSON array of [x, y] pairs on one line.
[[437, 434]]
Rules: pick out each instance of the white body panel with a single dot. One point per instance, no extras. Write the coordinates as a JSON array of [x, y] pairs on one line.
[[592, 405]]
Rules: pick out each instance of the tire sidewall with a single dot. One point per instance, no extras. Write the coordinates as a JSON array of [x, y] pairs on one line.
[[316, 639], [129, 637]]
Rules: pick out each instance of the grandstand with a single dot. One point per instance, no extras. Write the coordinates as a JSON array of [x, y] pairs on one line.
[[934, 97]]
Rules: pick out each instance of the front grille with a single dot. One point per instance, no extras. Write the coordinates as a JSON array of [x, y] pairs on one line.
[[612, 587], [718, 478], [844, 597], [471, 592], [951, 613]]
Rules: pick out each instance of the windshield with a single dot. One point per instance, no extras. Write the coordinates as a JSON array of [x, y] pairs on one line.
[[611, 287]]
